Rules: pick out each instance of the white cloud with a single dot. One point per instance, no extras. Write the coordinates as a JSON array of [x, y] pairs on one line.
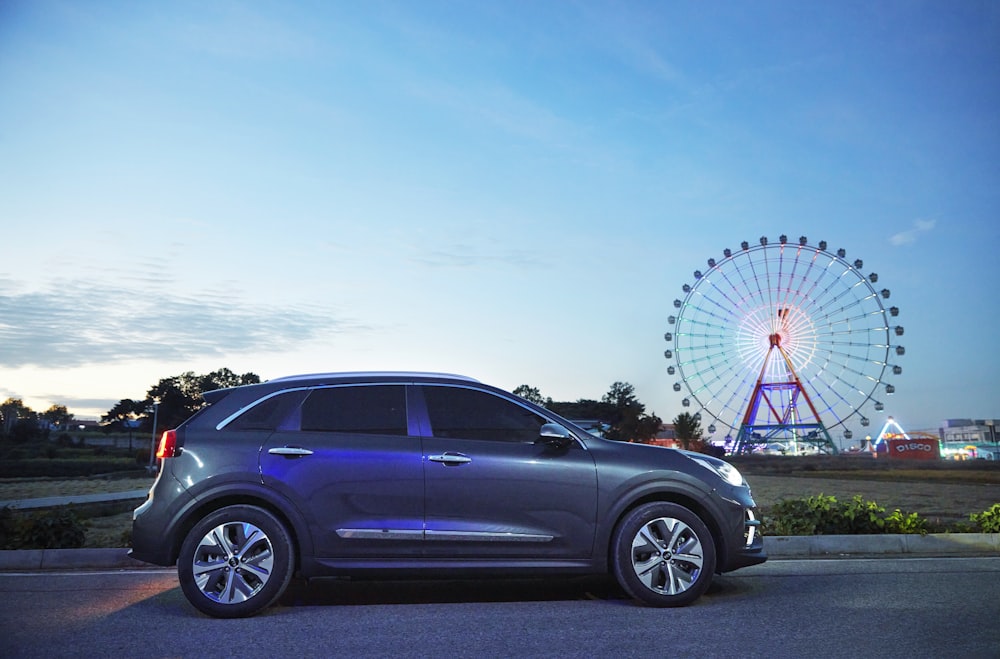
[[910, 236], [74, 323]]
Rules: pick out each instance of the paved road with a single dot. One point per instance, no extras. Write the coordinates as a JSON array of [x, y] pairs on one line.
[[912, 607]]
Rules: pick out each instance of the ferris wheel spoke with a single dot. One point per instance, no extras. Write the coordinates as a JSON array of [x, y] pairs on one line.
[[732, 398], [838, 313], [726, 302]]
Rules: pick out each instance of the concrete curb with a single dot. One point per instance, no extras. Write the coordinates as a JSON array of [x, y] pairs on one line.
[[30, 560], [932, 544], [78, 499], [777, 547]]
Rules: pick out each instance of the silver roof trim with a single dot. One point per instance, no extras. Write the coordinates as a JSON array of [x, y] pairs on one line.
[[355, 374]]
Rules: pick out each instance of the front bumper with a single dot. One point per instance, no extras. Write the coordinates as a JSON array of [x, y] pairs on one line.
[[751, 552]]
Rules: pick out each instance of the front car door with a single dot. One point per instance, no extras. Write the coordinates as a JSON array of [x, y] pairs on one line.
[[492, 489]]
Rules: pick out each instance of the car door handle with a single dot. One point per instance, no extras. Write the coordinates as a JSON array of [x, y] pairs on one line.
[[289, 451], [450, 458]]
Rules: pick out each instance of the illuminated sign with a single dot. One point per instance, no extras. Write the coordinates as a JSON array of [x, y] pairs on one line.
[[914, 449]]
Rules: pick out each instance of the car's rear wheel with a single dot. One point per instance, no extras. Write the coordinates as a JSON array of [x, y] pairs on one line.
[[235, 562], [663, 554]]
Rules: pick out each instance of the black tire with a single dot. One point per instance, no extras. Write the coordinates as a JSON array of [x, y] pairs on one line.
[[663, 555], [235, 562]]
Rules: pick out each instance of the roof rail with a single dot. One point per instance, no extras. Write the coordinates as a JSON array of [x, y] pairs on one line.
[[354, 374]]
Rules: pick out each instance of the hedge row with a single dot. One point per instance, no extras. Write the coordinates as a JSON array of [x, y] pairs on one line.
[[825, 515], [58, 528]]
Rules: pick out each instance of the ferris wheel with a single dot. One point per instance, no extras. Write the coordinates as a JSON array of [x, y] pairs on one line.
[[778, 344]]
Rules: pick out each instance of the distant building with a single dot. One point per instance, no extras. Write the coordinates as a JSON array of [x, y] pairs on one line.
[[667, 436], [593, 426], [980, 434]]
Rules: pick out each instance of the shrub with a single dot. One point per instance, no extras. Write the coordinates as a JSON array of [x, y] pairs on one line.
[[8, 529], [987, 521], [53, 529], [899, 522], [808, 516], [862, 517], [824, 515]]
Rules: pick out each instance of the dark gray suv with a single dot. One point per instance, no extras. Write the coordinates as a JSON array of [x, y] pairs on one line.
[[392, 474]]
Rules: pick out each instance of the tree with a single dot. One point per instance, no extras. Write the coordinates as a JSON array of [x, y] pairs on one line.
[[688, 430], [57, 416], [619, 410], [124, 415], [124, 411], [620, 395], [629, 420], [172, 400], [20, 422], [584, 408], [532, 395]]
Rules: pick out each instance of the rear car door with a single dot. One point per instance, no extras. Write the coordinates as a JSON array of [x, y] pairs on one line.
[[492, 489], [347, 460]]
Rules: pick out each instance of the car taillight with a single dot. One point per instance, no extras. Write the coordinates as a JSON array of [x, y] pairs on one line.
[[168, 445]]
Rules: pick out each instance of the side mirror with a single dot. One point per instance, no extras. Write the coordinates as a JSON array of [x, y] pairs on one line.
[[556, 435]]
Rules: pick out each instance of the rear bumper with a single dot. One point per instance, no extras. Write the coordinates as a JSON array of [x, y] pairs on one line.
[[154, 522]]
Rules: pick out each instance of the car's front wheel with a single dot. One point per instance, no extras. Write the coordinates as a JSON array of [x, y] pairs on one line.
[[235, 562], [663, 554]]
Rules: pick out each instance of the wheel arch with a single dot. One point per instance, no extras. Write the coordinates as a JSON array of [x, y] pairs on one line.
[[691, 499], [210, 502]]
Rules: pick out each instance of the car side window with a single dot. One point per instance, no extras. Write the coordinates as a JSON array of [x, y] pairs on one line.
[[457, 412], [370, 410], [268, 414]]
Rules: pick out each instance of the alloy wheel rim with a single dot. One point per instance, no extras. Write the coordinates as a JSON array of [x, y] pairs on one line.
[[667, 556], [233, 562]]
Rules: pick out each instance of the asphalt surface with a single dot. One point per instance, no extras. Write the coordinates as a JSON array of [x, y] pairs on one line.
[[777, 547]]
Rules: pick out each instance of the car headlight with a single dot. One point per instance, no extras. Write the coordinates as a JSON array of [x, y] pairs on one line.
[[726, 471]]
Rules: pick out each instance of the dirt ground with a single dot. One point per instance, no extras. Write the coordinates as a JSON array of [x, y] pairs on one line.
[[942, 492], [935, 501], [938, 491]]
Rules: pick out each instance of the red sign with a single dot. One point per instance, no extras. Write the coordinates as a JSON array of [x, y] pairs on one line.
[[914, 449]]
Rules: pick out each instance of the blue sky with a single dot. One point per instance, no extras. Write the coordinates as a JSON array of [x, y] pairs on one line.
[[514, 191]]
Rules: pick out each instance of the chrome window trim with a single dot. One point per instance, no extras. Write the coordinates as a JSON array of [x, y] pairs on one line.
[[229, 419], [510, 398]]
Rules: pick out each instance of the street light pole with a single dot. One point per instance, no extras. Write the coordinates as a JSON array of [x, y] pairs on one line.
[[990, 423], [152, 447]]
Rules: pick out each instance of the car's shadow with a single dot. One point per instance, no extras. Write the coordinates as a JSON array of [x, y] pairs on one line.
[[324, 592], [330, 591]]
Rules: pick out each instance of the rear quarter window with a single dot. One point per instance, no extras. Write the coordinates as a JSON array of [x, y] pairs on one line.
[[272, 413]]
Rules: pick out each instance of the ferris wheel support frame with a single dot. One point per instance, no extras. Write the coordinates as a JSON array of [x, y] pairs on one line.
[[790, 428]]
